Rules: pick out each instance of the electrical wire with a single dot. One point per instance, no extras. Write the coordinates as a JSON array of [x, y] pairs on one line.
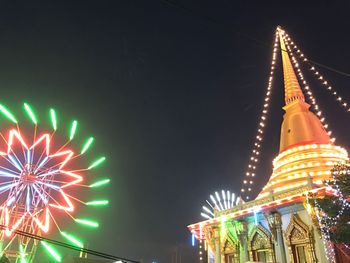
[[65, 245]]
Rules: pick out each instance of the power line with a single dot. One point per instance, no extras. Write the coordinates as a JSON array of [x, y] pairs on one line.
[[65, 245], [238, 32]]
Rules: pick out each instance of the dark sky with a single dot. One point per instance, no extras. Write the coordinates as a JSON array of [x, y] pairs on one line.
[[171, 97]]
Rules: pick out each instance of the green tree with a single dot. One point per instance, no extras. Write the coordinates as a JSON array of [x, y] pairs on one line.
[[4, 259], [335, 209]]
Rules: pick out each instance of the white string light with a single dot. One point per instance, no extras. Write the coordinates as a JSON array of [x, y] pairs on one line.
[[226, 200], [306, 88], [330, 254], [254, 158], [325, 83], [325, 221]]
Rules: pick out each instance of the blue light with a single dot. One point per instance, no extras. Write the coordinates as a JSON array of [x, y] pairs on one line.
[[193, 240], [15, 163], [29, 159], [256, 210], [6, 174], [41, 164]]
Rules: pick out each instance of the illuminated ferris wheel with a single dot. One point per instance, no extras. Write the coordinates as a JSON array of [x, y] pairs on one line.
[[41, 175]]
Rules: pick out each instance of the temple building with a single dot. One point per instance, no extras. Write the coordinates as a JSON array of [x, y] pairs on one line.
[[279, 225]]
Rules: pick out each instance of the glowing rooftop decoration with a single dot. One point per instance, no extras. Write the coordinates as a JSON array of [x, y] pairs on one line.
[[40, 180], [219, 202], [307, 152]]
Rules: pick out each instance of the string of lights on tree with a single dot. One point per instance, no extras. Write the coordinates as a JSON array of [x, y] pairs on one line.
[[326, 222], [330, 253], [248, 181], [338, 170], [41, 180]]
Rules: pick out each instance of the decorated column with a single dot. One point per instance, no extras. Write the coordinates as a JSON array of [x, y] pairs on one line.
[[217, 258], [275, 225], [243, 238]]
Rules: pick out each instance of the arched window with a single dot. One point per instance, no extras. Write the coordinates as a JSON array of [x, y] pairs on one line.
[[299, 238], [230, 252], [260, 245]]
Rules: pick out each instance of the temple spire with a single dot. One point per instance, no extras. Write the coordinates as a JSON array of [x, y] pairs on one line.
[[307, 153], [291, 85], [300, 126]]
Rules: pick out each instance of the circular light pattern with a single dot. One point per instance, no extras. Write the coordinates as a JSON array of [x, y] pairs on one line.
[[39, 182], [219, 202]]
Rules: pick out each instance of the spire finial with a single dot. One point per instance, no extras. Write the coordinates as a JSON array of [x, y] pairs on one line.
[[291, 85]]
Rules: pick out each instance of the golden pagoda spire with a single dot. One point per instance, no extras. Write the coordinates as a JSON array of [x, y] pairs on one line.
[[300, 126], [306, 152], [291, 84]]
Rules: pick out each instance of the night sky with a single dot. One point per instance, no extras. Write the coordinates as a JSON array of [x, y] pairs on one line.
[[172, 97]]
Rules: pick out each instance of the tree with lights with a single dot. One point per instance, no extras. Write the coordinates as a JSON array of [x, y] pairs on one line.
[[4, 259], [334, 210]]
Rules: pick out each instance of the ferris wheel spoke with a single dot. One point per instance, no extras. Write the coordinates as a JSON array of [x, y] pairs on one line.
[[48, 173], [58, 204], [6, 187], [44, 152], [75, 198], [43, 198], [52, 186], [54, 220], [41, 164], [15, 162], [8, 169], [23, 145], [7, 174]]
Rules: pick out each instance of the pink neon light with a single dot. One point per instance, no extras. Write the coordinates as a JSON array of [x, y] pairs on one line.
[[44, 227], [9, 231], [45, 137], [15, 133], [69, 208], [69, 154], [79, 178]]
